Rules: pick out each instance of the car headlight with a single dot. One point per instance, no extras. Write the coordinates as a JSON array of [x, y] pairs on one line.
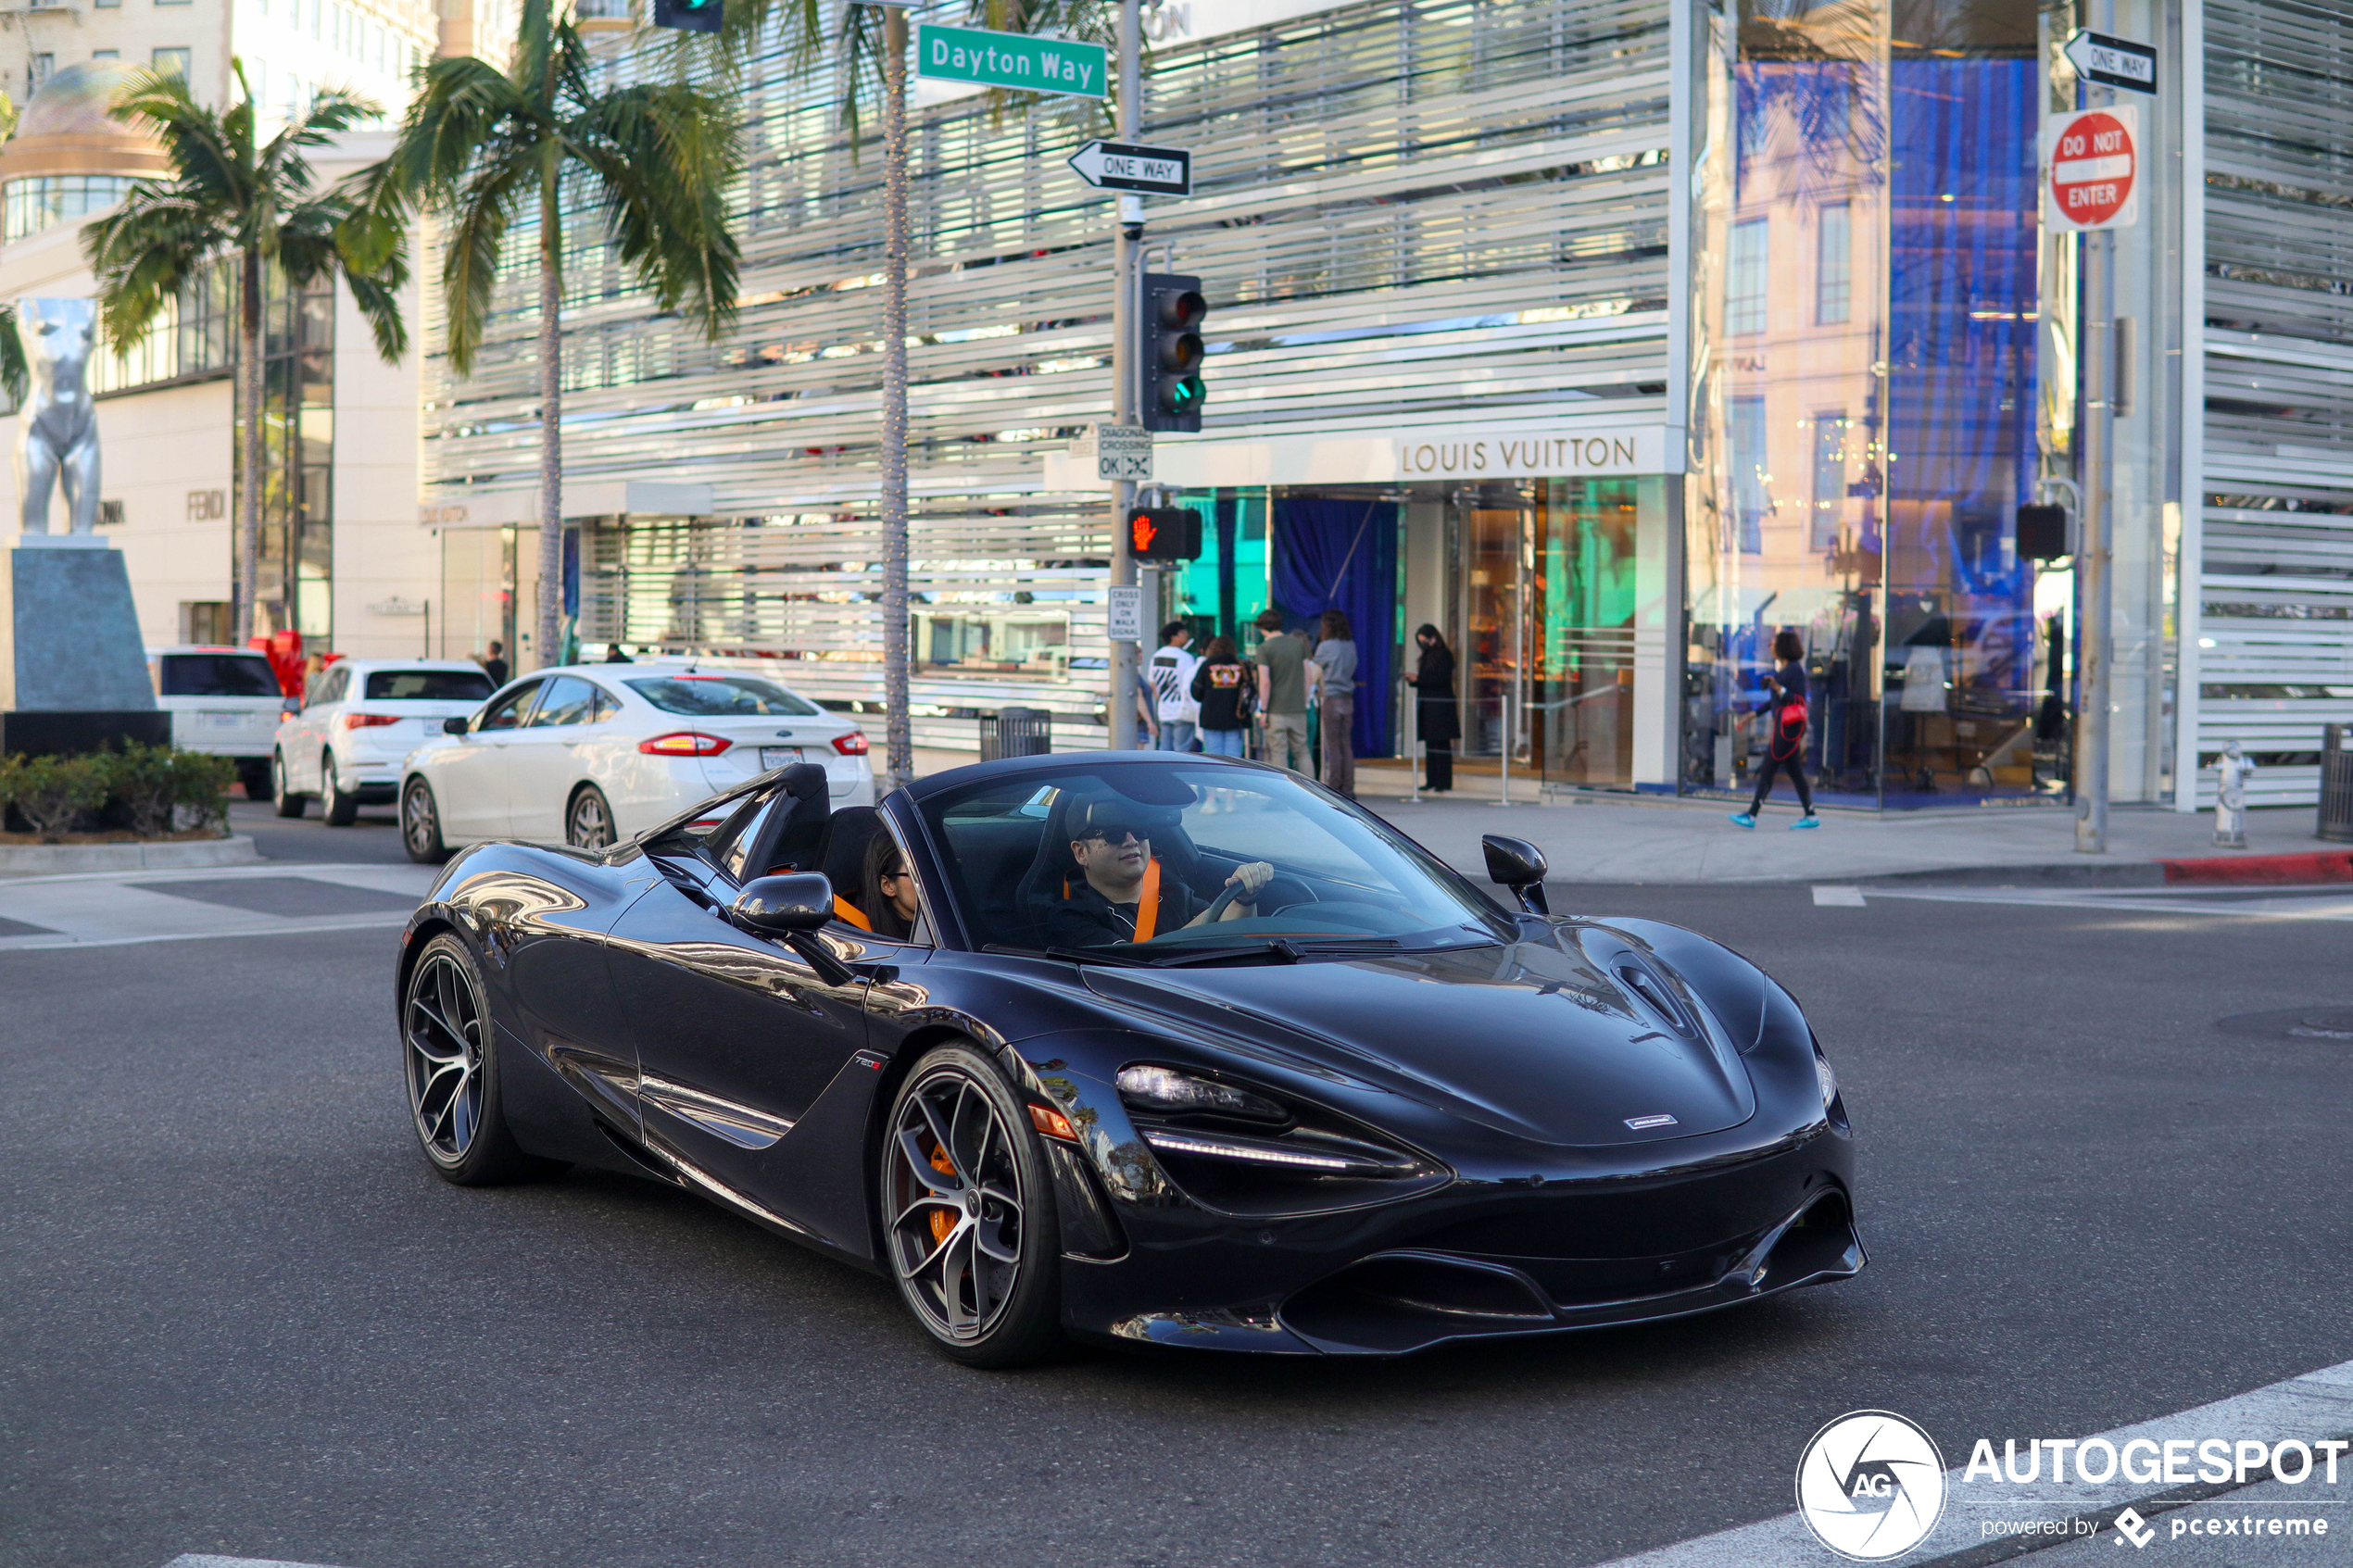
[[1163, 1091], [1826, 1078]]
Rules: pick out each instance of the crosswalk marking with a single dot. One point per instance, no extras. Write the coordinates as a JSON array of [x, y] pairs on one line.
[[1838, 898], [112, 908]]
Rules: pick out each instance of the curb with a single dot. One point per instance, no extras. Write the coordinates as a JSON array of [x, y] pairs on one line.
[[2332, 865], [33, 860]]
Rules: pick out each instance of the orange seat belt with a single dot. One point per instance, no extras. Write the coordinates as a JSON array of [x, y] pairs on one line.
[[845, 911], [1147, 902]]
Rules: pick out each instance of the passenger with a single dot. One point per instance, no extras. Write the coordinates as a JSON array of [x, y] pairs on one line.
[[888, 892], [1119, 895]]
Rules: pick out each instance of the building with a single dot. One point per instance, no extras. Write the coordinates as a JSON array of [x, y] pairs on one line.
[[342, 560], [1610, 337]]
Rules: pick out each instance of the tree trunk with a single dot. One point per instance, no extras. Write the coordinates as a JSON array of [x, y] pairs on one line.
[[900, 743], [252, 480], [549, 646]]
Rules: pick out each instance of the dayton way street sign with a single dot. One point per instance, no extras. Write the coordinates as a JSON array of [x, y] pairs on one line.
[[1011, 59], [2112, 61], [2094, 162], [1125, 165]]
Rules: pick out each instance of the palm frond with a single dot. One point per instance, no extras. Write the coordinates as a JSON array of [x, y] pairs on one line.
[[482, 212], [664, 157], [12, 370], [147, 251]]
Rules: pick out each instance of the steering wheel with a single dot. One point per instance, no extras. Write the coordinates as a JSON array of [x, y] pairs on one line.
[[1219, 905]]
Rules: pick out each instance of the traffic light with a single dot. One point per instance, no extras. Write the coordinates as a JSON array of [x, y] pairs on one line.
[[1163, 533], [1168, 385], [689, 15], [2042, 533]]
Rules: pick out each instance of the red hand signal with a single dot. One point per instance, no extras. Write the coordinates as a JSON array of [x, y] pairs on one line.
[[1141, 525]]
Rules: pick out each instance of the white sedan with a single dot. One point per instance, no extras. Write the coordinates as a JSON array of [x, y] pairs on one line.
[[593, 754]]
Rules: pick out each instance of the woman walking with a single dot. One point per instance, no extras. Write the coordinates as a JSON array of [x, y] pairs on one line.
[[1222, 687], [1785, 741], [1333, 669], [1437, 719]]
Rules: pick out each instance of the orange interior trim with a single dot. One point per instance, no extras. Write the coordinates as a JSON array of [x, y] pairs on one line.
[[845, 911]]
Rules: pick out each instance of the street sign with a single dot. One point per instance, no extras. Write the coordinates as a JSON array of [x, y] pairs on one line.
[[1120, 452], [2112, 61], [1011, 59], [1125, 165], [2094, 162], [1126, 615]]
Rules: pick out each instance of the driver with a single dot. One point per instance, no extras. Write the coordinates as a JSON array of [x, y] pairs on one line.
[[1111, 843]]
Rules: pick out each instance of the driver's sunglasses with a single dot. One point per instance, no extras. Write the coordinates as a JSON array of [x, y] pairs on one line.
[[1118, 832]]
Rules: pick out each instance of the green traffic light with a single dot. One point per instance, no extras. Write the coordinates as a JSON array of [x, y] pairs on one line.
[[1187, 395]]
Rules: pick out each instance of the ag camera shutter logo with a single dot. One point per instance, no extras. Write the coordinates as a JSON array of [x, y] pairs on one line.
[[1871, 1485]]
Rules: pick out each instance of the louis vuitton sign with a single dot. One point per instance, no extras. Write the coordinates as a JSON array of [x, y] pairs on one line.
[[1430, 453]]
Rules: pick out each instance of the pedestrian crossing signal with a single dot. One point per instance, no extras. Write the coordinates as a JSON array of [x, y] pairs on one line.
[[1163, 533], [689, 15]]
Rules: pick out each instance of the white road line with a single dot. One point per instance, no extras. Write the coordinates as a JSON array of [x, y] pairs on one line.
[[198, 1560], [274, 928], [2287, 905], [2315, 1406], [1838, 898]]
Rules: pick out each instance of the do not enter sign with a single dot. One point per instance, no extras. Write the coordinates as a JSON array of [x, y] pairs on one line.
[[2094, 157]]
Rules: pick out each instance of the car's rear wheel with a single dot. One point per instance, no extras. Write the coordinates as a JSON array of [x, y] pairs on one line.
[[967, 1212], [588, 822], [420, 824], [289, 803], [449, 1058], [339, 808]]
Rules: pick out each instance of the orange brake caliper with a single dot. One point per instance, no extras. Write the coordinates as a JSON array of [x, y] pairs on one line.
[[942, 1222]]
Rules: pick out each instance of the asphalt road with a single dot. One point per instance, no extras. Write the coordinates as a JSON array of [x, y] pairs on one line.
[[242, 1317]]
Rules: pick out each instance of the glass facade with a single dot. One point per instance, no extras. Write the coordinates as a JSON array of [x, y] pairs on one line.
[[44, 201], [296, 575]]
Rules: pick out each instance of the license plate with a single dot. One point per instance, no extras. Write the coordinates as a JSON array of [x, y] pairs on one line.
[[222, 720], [778, 757]]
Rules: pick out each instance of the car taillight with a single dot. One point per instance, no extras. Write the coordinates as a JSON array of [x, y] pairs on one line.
[[365, 721], [852, 745], [683, 743]]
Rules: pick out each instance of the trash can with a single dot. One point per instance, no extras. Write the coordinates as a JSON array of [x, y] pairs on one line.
[[2336, 786], [1016, 732]]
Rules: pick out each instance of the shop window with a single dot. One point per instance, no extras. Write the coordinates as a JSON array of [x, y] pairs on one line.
[[43, 64], [1751, 493], [1829, 477], [1834, 265], [1744, 309]]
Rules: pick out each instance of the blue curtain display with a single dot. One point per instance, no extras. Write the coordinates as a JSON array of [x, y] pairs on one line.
[[1332, 553]]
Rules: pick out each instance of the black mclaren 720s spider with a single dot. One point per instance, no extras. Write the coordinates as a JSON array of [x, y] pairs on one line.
[[1136, 1046]]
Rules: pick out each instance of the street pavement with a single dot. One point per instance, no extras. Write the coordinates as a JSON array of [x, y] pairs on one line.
[[2101, 1156]]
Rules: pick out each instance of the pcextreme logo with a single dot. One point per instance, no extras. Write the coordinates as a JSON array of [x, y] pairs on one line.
[[1871, 1485]]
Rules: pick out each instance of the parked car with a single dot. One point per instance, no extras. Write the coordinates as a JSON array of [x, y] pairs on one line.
[[223, 700], [359, 720], [592, 754]]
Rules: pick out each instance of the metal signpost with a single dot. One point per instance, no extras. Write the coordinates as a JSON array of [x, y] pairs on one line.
[[1123, 166]]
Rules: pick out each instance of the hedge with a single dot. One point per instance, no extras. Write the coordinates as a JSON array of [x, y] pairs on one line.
[[150, 790]]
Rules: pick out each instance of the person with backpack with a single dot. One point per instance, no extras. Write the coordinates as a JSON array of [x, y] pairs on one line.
[[1785, 740], [1224, 689]]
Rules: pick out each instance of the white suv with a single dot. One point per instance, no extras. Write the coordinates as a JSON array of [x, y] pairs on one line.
[[360, 717], [223, 700]]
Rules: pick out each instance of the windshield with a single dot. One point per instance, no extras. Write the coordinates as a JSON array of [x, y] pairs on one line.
[[1147, 861], [717, 696], [217, 674], [427, 685]]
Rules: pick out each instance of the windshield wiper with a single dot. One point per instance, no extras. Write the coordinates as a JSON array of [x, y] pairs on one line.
[[1069, 955], [1277, 949]]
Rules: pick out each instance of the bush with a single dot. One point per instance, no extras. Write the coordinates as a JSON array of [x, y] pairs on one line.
[[154, 788], [53, 792]]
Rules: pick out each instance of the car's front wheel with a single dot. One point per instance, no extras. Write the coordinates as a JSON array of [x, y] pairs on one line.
[[967, 1212], [449, 1056], [289, 803], [339, 808], [420, 824], [588, 822]]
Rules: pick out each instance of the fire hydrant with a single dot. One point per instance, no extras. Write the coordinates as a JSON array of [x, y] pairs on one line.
[[2230, 800]]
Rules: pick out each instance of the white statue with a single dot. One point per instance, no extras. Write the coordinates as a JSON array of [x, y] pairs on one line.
[[2230, 799], [57, 427]]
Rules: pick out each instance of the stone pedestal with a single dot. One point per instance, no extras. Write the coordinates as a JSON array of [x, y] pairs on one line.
[[73, 669]]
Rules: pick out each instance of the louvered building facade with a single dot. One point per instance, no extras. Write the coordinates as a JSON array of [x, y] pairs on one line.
[[1608, 336]]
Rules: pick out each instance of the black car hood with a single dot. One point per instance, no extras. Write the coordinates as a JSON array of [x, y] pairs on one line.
[[1550, 1041]]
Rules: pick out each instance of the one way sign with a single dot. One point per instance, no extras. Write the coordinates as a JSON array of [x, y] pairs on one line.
[[1125, 165]]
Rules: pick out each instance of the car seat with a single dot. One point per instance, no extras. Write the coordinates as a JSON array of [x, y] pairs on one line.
[[793, 840], [843, 859]]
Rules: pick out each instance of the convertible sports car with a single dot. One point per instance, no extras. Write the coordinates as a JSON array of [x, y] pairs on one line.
[[1137, 1046]]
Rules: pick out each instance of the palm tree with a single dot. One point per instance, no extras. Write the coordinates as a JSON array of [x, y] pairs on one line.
[[230, 198], [480, 147]]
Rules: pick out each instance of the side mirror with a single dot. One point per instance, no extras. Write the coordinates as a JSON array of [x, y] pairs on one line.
[[779, 905], [455, 726], [1518, 865]]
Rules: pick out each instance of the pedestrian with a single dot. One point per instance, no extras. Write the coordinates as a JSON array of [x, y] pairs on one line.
[[1171, 672], [1334, 663], [614, 655], [1437, 717], [493, 664], [1785, 739], [1223, 687], [1282, 692]]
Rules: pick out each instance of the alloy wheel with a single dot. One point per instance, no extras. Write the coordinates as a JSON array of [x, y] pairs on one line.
[[420, 825], [591, 825], [443, 1029], [955, 1204]]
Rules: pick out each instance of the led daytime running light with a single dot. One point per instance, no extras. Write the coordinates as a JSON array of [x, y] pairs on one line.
[[1189, 1143]]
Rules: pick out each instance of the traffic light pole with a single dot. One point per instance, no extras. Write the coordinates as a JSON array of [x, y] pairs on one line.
[[2097, 545], [898, 735], [1127, 245]]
